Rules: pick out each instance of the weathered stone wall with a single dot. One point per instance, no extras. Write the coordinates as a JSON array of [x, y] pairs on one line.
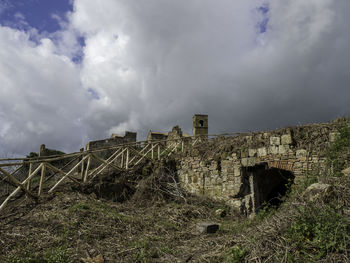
[[219, 170]]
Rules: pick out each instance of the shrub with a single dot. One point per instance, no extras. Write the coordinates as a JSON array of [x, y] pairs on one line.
[[318, 231]]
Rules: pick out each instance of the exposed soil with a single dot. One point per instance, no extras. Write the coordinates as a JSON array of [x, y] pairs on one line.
[[152, 224]]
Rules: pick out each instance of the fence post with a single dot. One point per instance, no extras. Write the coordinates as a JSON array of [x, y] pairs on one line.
[[152, 151], [43, 168], [127, 159], [82, 165], [87, 169], [29, 172], [158, 151]]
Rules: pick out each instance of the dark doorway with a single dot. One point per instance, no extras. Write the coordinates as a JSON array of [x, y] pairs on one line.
[[269, 185], [201, 123]]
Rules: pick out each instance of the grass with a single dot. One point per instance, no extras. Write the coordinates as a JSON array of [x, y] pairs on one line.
[[52, 255], [300, 230]]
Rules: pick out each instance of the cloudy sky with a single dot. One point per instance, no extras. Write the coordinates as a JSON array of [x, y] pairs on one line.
[[78, 70]]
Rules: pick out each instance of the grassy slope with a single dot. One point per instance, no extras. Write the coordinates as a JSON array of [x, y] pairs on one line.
[[72, 226]]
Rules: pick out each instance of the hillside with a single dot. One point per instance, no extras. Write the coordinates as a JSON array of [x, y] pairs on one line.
[[156, 221]]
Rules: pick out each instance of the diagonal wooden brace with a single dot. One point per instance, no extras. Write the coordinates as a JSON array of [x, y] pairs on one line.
[[18, 183]]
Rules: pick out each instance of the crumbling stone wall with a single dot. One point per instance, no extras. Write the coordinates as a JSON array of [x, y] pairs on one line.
[[219, 169]]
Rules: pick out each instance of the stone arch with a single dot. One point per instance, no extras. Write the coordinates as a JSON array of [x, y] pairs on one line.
[[267, 184]]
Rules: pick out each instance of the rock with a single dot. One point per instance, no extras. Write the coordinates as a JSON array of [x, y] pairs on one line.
[[248, 161], [301, 153], [220, 212], [273, 149], [252, 152], [346, 171], [236, 205], [283, 149], [207, 228], [275, 141], [317, 191], [262, 152], [97, 259], [333, 136], [286, 139]]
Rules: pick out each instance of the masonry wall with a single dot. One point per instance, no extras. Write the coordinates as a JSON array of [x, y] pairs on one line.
[[217, 170]]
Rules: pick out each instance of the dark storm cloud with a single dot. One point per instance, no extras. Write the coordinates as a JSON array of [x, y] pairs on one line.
[[152, 64]]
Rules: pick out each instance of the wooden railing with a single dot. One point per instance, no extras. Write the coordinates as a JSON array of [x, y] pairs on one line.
[[83, 167]]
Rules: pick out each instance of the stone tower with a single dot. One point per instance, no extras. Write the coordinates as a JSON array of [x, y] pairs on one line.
[[200, 125]]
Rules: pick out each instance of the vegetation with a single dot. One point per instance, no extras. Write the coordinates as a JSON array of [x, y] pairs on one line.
[[302, 230], [157, 223]]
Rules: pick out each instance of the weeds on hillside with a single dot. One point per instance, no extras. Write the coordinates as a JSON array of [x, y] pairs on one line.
[[301, 230]]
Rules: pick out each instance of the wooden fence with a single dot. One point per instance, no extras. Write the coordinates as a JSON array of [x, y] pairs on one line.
[[83, 167]]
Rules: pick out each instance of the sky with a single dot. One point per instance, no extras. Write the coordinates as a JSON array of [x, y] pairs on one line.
[[78, 70]]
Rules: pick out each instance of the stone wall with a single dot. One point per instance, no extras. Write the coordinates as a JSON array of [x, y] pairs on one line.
[[231, 169]]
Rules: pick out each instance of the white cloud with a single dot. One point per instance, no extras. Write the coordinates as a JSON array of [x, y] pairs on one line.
[[41, 95], [153, 64]]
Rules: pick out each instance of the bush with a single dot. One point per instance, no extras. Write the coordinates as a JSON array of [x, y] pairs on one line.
[[338, 151], [318, 231]]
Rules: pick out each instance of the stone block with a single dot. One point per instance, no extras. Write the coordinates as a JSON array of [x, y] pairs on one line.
[[317, 191], [283, 149], [301, 153], [248, 203], [244, 153], [236, 205], [262, 152], [333, 136], [248, 161], [207, 227], [237, 171], [286, 139], [346, 171], [275, 141], [273, 149], [252, 152]]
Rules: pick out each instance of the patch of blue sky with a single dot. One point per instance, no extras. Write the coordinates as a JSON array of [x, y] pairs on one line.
[[93, 94], [37, 14], [40, 18], [264, 13], [78, 57]]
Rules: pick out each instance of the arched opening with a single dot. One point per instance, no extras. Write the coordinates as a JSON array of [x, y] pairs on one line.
[[201, 123], [269, 185]]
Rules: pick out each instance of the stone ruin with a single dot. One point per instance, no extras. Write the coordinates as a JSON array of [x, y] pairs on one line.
[[247, 170]]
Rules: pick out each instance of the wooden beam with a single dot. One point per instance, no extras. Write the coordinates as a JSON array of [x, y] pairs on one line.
[[175, 148], [158, 151], [19, 188], [122, 160], [82, 171], [144, 155], [68, 174], [106, 164], [9, 197], [43, 168], [55, 169], [138, 153], [10, 164], [87, 169], [102, 166], [18, 183], [104, 161], [127, 159], [29, 172]]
